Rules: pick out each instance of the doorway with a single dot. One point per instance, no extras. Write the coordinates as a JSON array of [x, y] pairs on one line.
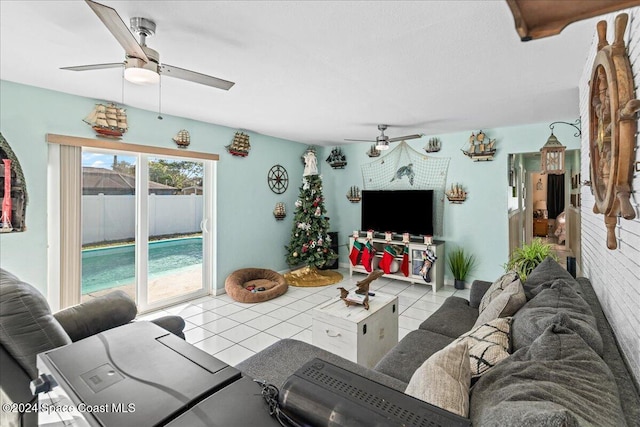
[[545, 206]]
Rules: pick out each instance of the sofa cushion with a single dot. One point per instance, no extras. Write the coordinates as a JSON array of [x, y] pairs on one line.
[[537, 314], [488, 344], [546, 272], [478, 289], [27, 326], [96, 315], [629, 396], [496, 289], [504, 304], [557, 381], [444, 379], [416, 347], [280, 360], [441, 321]]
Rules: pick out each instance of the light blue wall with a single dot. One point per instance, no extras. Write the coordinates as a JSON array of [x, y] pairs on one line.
[[481, 223], [248, 234]]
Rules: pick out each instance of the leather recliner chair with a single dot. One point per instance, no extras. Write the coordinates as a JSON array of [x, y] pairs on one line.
[[27, 327]]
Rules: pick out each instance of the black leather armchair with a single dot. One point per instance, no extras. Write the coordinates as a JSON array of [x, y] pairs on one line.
[[27, 327]]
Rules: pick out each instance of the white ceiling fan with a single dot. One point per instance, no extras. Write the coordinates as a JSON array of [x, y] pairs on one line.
[[142, 64], [382, 141]]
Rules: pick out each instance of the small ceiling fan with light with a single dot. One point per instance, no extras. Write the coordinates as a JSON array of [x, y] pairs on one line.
[[142, 64], [382, 141]]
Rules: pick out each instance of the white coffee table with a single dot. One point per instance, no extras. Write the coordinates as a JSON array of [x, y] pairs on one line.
[[362, 336]]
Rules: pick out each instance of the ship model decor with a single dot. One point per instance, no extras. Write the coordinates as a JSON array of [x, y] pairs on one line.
[[108, 120], [354, 194], [456, 194], [240, 145], [373, 151], [337, 159], [479, 149], [182, 139], [279, 212], [433, 146]]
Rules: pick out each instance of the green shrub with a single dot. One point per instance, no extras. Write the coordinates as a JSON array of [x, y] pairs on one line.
[[460, 263], [524, 259]]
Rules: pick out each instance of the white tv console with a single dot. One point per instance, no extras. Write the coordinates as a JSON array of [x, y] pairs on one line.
[[415, 260]]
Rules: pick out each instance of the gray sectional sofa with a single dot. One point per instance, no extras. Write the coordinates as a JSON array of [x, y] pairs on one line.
[[565, 367]]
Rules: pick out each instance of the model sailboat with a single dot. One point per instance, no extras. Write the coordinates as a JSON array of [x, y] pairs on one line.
[[354, 194], [240, 145], [280, 212], [337, 159], [182, 138], [478, 149], [108, 120]]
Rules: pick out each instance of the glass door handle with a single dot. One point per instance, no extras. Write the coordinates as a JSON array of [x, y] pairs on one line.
[[203, 225]]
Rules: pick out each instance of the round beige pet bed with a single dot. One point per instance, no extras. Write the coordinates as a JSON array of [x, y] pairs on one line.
[[273, 283]]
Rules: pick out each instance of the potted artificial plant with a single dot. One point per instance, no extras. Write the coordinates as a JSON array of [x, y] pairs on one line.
[[524, 259], [460, 265]]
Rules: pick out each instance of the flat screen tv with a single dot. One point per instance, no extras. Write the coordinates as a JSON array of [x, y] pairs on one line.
[[399, 211]]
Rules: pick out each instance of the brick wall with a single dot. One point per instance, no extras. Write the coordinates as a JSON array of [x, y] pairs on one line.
[[615, 274]]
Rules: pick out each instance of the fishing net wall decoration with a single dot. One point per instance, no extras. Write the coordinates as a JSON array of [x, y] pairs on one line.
[[404, 168]]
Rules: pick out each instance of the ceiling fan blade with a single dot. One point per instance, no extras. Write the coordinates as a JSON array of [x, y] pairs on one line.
[[93, 67], [404, 138], [119, 29], [192, 76], [360, 140]]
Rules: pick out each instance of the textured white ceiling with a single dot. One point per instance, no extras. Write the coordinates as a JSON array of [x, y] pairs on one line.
[[311, 71]]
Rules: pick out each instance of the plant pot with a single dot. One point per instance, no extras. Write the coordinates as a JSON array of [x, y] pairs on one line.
[[458, 284]]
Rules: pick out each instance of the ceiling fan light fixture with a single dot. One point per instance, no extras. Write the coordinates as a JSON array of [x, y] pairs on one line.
[[382, 145], [141, 76], [139, 72]]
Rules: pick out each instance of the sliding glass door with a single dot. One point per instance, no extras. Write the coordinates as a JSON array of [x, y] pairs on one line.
[[175, 214], [108, 223], [144, 227]]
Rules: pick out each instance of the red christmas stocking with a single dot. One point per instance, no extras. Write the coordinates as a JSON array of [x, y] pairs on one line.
[[405, 261], [367, 256], [356, 252], [387, 258]]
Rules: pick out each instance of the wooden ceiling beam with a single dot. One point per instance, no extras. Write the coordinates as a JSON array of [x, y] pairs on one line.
[[536, 19]]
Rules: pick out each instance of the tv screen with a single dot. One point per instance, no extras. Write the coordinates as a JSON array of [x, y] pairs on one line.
[[399, 211]]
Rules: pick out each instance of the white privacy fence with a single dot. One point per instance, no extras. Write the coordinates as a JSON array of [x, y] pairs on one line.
[[112, 217]]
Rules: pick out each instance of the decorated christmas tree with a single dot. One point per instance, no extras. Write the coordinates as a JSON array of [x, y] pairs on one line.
[[310, 244]]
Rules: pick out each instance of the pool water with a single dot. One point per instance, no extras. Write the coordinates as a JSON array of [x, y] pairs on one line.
[[106, 268]]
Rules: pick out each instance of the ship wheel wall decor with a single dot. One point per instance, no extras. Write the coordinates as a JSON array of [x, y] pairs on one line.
[[613, 124], [278, 179]]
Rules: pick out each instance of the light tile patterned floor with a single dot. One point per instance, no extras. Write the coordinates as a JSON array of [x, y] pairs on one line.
[[233, 331]]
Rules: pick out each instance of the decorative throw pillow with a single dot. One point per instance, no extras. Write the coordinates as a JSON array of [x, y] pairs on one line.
[[496, 289], [505, 304], [545, 272], [540, 312], [488, 344], [444, 379]]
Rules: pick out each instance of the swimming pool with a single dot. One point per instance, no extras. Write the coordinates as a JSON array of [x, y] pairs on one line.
[[106, 268]]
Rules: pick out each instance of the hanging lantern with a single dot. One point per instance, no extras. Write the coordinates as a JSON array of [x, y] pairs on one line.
[[552, 156]]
